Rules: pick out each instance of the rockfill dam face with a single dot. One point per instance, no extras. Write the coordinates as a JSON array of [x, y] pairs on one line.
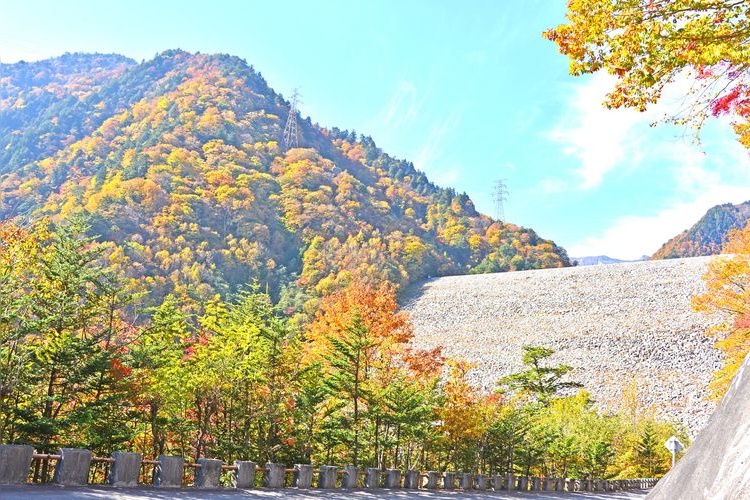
[[628, 330]]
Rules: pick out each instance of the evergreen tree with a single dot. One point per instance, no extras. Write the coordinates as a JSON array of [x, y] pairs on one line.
[[349, 375], [539, 381], [75, 332]]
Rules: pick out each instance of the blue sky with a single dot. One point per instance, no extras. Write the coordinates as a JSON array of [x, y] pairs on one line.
[[468, 90]]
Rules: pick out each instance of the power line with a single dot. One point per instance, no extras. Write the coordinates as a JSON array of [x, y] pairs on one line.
[[500, 196], [291, 131]]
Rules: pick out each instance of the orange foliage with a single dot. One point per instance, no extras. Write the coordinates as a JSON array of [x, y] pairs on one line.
[[375, 304], [728, 292]]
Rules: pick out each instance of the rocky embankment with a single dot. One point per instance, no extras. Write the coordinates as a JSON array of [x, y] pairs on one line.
[[618, 326]]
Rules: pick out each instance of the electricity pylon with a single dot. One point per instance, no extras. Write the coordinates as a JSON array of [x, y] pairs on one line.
[[291, 132], [499, 196]]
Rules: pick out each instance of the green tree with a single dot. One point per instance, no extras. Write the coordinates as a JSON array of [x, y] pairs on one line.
[[648, 452], [597, 457], [74, 332], [349, 375], [247, 358], [159, 370], [539, 381], [18, 259]]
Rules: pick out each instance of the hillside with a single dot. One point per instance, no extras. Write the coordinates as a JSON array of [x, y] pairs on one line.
[[618, 326], [178, 164], [708, 235]]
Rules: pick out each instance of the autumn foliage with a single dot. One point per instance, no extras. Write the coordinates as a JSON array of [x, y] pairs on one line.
[[81, 364], [649, 45], [176, 163], [175, 282], [728, 293]]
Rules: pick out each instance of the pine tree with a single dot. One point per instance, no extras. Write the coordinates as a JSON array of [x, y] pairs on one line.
[[539, 381], [349, 374], [75, 332]]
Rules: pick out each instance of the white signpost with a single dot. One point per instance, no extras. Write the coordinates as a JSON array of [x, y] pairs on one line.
[[673, 444]]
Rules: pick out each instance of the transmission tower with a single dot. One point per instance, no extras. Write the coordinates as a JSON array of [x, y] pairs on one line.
[[499, 196], [291, 132]]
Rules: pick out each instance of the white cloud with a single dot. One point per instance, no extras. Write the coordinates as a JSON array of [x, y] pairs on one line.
[[447, 177], [691, 178], [699, 187], [600, 139]]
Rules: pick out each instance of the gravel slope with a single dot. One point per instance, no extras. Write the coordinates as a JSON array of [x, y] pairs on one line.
[[614, 324]]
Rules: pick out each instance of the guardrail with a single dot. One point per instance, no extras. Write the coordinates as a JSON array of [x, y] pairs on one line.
[[74, 467]]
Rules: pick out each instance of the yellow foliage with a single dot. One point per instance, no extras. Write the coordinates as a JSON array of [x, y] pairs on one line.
[[728, 292]]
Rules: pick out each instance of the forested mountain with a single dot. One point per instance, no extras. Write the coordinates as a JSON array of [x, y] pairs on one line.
[[178, 163], [173, 280], [708, 235]]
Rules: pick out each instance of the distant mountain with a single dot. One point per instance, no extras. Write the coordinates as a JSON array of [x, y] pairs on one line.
[[708, 235], [179, 164], [600, 259]]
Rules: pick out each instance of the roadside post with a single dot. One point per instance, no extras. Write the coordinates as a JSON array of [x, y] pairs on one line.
[[673, 444]]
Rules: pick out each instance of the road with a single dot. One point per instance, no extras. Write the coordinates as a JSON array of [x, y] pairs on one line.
[[53, 492]]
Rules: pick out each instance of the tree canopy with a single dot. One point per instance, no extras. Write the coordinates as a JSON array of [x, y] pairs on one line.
[[649, 44], [728, 292], [241, 380]]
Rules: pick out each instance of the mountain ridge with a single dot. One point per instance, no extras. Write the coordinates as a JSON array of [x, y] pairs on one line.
[[178, 164], [708, 235]]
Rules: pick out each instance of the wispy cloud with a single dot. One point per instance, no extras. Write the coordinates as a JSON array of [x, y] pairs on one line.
[[433, 150], [403, 107], [599, 139], [692, 178]]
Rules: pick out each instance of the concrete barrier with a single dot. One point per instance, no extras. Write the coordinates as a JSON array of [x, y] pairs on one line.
[[73, 467], [433, 477], [481, 482], [449, 481], [208, 474], [125, 469], [244, 476], [168, 473], [523, 483], [548, 484], [372, 477], [303, 476], [466, 481], [327, 477], [411, 479], [275, 476], [15, 462], [350, 479], [392, 478], [536, 484], [498, 482]]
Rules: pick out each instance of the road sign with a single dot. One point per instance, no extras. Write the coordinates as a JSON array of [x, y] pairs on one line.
[[673, 444]]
